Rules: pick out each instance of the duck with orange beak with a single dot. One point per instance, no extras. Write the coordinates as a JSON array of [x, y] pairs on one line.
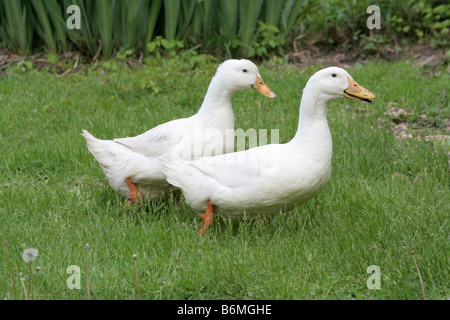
[[266, 180], [132, 165]]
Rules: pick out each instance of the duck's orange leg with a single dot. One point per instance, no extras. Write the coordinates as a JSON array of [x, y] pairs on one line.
[[134, 192], [208, 217]]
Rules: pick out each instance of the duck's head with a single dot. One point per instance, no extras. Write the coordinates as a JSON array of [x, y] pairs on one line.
[[242, 74], [333, 82]]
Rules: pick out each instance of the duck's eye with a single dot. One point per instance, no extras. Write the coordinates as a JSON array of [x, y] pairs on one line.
[[245, 70], [334, 75]]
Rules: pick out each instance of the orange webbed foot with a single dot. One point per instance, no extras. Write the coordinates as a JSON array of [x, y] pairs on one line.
[[135, 194], [208, 217]]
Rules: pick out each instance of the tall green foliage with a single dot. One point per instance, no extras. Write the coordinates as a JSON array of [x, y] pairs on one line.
[[171, 14], [231, 27], [248, 21], [106, 15], [85, 39], [151, 16], [16, 28], [228, 12]]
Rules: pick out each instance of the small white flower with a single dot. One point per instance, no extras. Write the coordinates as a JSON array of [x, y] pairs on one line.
[[29, 255]]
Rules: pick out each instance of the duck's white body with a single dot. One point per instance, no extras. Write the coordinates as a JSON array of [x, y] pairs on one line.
[[276, 180], [272, 178], [209, 132]]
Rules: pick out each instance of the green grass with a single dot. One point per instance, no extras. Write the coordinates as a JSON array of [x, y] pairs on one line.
[[386, 198]]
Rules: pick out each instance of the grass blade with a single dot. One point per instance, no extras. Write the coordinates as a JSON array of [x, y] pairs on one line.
[[187, 10], [44, 28], [171, 13], [273, 11], [228, 13], [248, 18], [152, 15], [106, 14]]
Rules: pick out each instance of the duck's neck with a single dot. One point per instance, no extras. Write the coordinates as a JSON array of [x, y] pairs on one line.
[[217, 97], [312, 123]]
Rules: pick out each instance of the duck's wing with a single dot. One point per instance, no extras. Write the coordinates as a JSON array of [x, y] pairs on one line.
[[230, 170], [160, 140]]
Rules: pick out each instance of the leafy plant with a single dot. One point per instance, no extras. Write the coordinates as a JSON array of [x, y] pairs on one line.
[[269, 41], [160, 46]]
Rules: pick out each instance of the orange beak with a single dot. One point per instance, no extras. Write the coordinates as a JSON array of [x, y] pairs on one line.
[[261, 87], [357, 92]]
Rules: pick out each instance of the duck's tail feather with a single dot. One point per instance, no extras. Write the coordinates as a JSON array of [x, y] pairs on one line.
[[106, 152], [172, 170]]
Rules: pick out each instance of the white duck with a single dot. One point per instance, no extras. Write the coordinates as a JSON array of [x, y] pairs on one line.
[[274, 177], [132, 165]]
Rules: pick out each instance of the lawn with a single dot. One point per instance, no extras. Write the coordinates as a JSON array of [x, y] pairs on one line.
[[387, 196]]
